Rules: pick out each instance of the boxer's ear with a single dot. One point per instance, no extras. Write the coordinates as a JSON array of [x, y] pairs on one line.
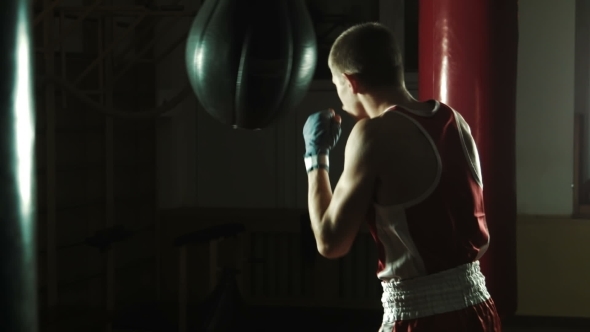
[[352, 82]]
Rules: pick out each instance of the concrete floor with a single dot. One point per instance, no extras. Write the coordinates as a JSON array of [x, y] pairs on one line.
[[546, 324], [544, 329], [322, 320]]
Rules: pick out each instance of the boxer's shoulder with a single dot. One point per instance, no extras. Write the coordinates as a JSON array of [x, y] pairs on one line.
[[365, 126], [363, 132], [364, 140]]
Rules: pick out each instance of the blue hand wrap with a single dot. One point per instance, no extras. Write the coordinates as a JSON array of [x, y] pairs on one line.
[[321, 133]]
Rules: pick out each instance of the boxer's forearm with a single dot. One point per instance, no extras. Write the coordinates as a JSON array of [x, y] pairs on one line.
[[318, 200]]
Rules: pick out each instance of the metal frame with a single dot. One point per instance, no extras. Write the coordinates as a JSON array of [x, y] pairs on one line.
[[53, 49]]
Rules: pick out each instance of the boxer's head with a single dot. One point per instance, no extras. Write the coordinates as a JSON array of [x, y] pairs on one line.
[[364, 58]]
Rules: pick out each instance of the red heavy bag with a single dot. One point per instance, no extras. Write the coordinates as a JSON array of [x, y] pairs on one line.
[[468, 55]]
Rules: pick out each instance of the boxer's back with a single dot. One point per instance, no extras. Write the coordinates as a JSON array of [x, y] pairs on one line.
[[409, 164], [428, 200]]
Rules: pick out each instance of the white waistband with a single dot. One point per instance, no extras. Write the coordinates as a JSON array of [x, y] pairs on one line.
[[447, 291]]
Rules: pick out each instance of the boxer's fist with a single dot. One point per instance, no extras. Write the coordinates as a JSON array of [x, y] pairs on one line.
[[321, 132]]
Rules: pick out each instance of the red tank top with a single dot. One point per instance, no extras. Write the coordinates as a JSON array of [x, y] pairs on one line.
[[446, 226]]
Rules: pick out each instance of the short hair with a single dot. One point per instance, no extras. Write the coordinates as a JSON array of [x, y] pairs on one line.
[[370, 52]]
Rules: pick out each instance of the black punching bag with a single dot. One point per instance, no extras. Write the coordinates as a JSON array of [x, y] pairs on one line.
[[18, 289], [251, 61]]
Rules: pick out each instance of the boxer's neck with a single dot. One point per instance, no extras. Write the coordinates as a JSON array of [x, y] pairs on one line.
[[376, 101]]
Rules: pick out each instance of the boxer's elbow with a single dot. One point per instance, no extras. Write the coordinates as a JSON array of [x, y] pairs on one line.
[[332, 240], [332, 249]]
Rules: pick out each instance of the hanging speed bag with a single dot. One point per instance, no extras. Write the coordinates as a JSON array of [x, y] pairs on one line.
[[249, 62]]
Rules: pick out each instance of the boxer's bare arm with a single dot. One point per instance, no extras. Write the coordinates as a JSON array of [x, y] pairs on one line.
[[336, 217]]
